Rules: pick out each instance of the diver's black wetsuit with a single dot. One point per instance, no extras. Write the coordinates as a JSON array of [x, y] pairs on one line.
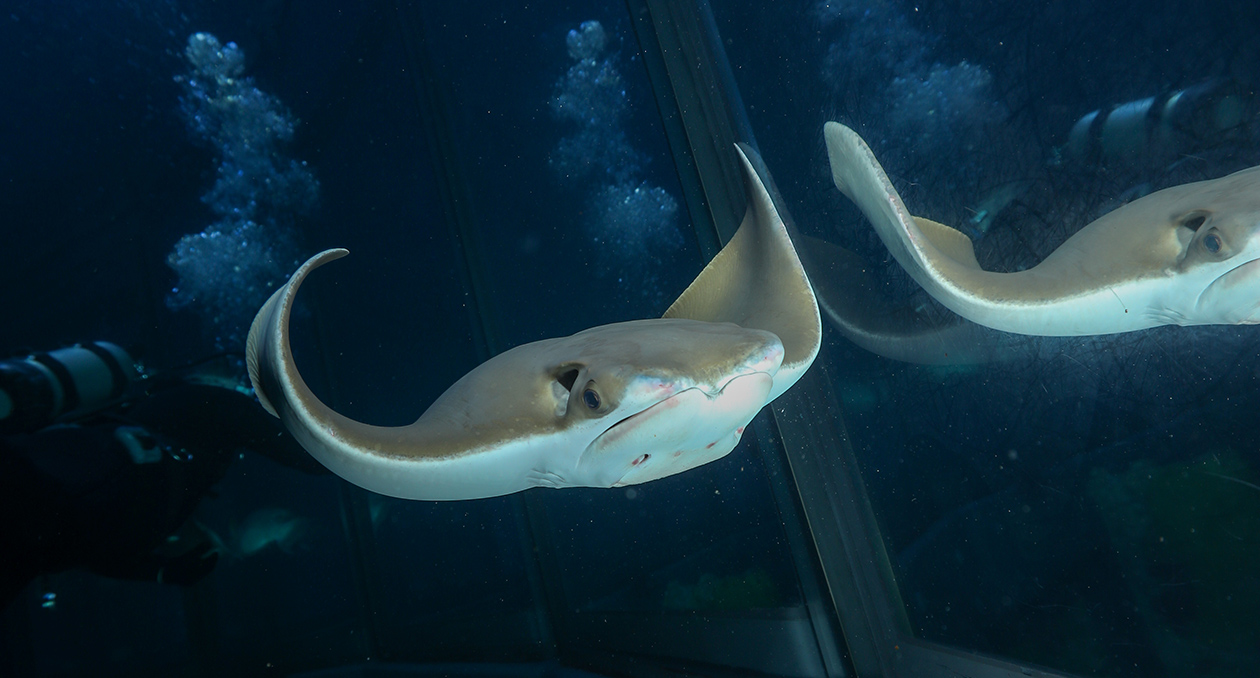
[[72, 496]]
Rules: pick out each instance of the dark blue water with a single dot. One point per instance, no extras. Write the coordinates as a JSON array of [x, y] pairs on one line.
[[1088, 505]]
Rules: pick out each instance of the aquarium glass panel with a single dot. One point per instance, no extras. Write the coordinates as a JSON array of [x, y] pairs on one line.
[[1087, 503]]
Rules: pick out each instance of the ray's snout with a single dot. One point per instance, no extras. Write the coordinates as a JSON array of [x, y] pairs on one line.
[[760, 352], [764, 358]]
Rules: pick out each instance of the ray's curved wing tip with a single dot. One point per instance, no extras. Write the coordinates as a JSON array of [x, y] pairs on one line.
[[793, 315], [275, 311], [842, 143], [253, 349]]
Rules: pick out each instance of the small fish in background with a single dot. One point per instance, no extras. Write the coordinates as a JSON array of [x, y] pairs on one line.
[[264, 528]]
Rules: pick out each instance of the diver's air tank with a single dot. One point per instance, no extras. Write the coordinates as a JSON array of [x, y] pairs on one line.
[[1159, 127], [40, 389]]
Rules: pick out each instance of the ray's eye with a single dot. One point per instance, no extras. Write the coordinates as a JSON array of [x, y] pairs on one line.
[[1212, 243], [641, 458], [591, 398]]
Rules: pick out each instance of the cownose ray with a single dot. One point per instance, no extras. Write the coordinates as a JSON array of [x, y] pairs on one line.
[[1186, 255], [614, 405]]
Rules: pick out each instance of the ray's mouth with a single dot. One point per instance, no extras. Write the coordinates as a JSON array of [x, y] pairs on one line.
[[1233, 297], [649, 409], [664, 403], [1241, 274], [1239, 269]]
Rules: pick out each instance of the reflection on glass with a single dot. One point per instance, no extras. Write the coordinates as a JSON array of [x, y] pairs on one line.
[[1089, 503]]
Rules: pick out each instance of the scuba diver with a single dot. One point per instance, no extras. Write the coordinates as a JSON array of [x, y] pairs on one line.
[[101, 469]]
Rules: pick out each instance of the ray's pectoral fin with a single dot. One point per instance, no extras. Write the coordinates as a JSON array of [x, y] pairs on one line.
[[828, 277], [852, 301], [267, 342], [937, 257], [757, 281]]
